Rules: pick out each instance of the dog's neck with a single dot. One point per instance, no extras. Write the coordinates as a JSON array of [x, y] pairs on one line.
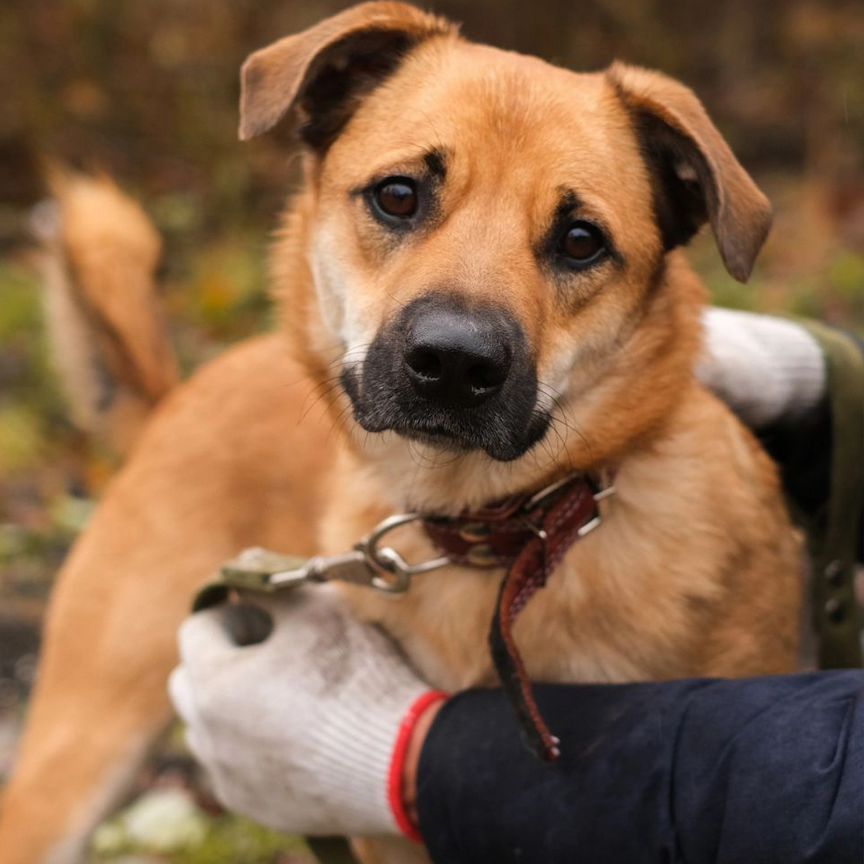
[[634, 398]]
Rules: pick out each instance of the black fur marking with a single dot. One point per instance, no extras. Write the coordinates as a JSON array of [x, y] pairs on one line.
[[436, 162], [354, 68], [565, 214], [681, 206]]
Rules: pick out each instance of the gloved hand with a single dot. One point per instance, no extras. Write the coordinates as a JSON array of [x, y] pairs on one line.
[[764, 368], [307, 731]]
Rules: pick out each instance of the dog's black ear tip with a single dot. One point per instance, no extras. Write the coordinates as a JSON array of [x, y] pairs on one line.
[[247, 624]]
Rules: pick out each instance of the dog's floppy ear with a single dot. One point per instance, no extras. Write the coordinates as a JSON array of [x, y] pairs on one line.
[[696, 175], [322, 71]]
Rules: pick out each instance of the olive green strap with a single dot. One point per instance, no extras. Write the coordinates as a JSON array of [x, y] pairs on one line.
[[834, 543], [331, 850]]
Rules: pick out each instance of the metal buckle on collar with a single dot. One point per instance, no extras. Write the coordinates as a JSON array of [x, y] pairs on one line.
[[603, 489], [549, 491], [597, 521]]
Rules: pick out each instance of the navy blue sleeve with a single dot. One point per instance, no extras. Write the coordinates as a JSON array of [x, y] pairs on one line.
[[759, 771]]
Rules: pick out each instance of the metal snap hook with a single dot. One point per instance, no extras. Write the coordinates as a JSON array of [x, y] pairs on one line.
[[387, 562]]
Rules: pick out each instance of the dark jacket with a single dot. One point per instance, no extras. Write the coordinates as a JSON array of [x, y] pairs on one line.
[[760, 771]]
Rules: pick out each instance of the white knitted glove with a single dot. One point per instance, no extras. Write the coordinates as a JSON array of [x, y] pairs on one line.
[[764, 368], [305, 731]]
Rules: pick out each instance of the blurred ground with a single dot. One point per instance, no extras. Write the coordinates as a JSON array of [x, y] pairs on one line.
[[147, 91]]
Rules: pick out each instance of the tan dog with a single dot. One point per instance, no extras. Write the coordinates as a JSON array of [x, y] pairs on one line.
[[480, 286]]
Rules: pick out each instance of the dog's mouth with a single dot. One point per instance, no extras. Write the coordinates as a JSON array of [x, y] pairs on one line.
[[440, 437], [501, 435], [455, 379]]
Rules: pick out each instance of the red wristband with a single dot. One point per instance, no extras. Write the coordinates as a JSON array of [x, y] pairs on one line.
[[397, 762]]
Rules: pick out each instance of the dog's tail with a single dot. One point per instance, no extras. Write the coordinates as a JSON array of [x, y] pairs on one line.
[[105, 321]]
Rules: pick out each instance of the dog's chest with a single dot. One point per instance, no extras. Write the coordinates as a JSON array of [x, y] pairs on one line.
[[615, 609]]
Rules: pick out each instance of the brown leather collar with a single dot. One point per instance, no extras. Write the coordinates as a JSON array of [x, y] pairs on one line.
[[529, 535]]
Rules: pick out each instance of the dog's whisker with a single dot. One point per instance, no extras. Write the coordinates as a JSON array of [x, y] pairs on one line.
[[339, 422], [352, 355], [320, 393], [559, 415]]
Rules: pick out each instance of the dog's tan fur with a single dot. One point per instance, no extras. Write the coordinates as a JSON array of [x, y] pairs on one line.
[[105, 321], [695, 571]]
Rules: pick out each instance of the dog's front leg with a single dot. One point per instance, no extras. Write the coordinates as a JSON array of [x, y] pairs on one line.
[[203, 483], [110, 644], [100, 700]]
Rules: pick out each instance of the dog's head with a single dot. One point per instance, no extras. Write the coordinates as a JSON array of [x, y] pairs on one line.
[[490, 237]]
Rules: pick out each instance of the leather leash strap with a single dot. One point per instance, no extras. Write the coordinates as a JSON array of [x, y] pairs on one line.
[[530, 538]]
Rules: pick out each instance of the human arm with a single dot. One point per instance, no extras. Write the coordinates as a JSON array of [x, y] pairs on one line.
[[303, 736], [761, 770]]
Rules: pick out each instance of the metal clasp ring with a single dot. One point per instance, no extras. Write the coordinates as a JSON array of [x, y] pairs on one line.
[[392, 572]]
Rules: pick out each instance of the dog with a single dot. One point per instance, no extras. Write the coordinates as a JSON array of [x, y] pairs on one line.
[[482, 289]]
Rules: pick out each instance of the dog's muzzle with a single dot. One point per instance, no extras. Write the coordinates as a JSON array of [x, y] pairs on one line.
[[459, 378]]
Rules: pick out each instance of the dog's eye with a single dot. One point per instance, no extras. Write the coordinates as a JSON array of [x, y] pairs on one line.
[[583, 243], [396, 197]]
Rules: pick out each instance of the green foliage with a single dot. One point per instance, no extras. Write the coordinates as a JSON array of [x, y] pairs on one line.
[[846, 277], [28, 396], [22, 441], [25, 371], [228, 840], [20, 317], [29, 400], [231, 840], [225, 288]]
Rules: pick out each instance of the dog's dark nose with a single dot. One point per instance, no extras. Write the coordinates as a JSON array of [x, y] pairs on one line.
[[457, 357]]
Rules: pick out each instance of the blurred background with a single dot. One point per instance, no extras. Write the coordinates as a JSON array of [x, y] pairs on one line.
[[147, 90]]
